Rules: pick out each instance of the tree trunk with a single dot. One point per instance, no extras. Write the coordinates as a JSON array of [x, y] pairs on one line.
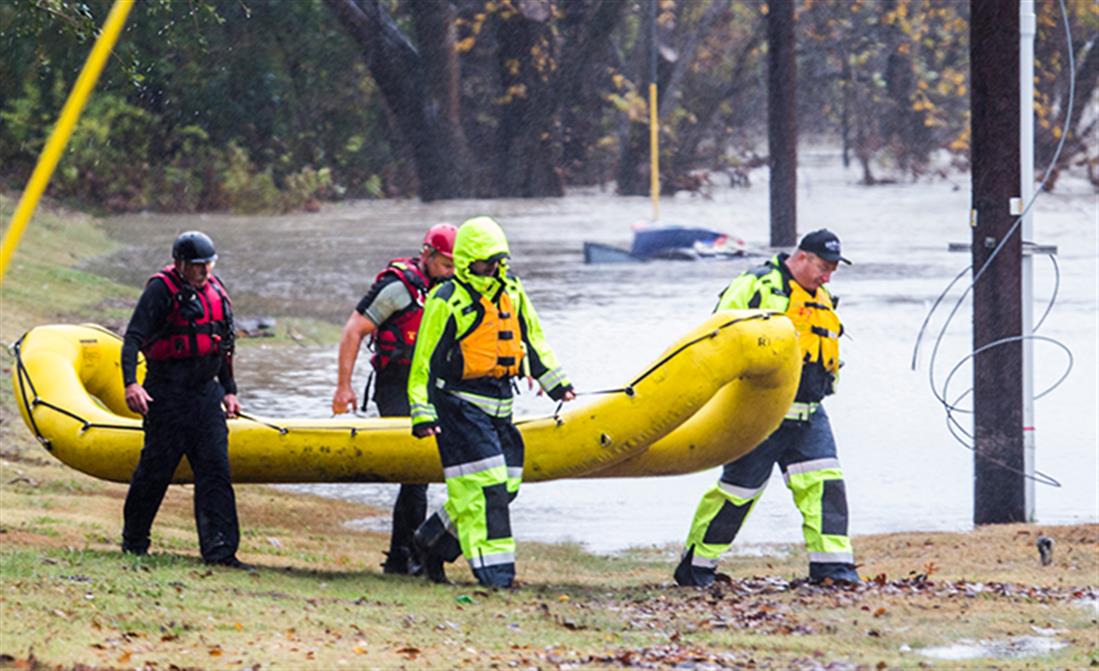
[[586, 27], [845, 114], [527, 136], [433, 23], [705, 108], [540, 72], [902, 128], [632, 175], [420, 89], [782, 127]]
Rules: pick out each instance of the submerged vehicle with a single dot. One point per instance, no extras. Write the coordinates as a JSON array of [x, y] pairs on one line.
[[677, 243]]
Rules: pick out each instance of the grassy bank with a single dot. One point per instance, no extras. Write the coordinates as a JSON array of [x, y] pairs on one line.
[[318, 600]]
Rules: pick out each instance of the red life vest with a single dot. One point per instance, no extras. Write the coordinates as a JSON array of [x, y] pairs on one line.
[[187, 334], [395, 338]]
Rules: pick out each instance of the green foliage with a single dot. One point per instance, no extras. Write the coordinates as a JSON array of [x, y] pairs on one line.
[[206, 104], [107, 157], [248, 190], [22, 120], [306, 186]]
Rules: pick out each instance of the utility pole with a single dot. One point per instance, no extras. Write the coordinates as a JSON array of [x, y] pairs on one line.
[[782, 122], [999, 461]]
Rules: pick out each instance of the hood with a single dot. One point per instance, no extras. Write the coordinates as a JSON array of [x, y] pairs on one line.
[[478, 239]]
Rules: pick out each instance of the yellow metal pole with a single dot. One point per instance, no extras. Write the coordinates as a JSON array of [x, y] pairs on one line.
[[654, 153], [59, 138]]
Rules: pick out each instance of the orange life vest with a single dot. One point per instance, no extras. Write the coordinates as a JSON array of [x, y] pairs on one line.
[[494, 346], [818, 326]]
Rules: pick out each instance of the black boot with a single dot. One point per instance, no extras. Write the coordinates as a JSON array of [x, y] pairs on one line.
[[833, 573], [687, 575], [435, 571], [499, 577], [398, 561], [134, 551], [432, 562], [231, 562]]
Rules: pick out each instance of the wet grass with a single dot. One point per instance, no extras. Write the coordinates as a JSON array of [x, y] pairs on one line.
[[45, 283]]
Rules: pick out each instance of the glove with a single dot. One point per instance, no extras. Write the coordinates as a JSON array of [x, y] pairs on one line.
[[425, 429], [558, 392]]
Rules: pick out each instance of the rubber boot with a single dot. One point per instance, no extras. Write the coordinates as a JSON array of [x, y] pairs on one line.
[[499, 577], [687, 575], [232, 562], [431, 561], [833, 573], [399, 562], [135, 551]]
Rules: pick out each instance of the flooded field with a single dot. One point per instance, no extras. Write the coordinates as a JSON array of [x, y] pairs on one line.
[[606, 322]]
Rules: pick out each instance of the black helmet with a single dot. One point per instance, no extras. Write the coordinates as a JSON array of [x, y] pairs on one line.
[[194, 247]]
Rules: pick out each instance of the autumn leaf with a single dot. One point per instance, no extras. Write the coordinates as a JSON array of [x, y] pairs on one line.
[[409, 652]]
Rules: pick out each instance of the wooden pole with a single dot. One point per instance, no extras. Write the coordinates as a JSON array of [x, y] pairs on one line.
[[999, 484]]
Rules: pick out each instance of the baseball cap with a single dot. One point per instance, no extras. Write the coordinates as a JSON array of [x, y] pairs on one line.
[[824, 243]]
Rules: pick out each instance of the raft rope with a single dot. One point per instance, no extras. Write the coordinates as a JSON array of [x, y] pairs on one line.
[[25, 381], [957, 430], [35, 401], [629, 389]]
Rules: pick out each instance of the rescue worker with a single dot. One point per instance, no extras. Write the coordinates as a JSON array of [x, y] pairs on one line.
[[478, 333], [390, 314], [183, 323], [803, 446]]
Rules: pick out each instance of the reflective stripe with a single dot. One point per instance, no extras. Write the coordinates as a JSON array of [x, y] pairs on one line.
[[832, 557], [552, 378], [810, 467], [492, 560], [444, 517], [494, 407], [801, 412], [474, 467], [422, 412], [702, 562], [515, 473], [740, 492]]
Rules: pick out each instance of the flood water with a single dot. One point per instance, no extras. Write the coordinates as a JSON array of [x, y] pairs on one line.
[[904, 470]]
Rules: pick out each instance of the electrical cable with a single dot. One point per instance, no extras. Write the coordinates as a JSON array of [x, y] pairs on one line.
[[950, 408]]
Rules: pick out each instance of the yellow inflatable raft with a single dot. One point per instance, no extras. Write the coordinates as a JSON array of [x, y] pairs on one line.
[[728, 383]]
